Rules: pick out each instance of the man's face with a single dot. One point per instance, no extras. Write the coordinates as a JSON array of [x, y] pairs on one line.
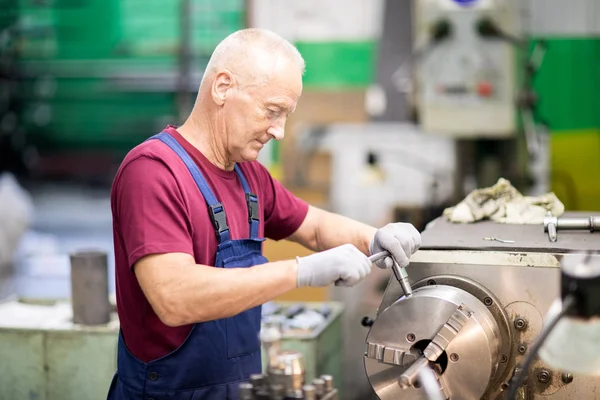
[[256, 113]]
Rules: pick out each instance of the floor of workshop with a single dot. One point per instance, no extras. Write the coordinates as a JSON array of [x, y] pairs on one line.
[[71, 218]]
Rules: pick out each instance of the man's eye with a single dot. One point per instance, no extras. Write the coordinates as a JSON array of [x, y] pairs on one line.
[[273, 113]]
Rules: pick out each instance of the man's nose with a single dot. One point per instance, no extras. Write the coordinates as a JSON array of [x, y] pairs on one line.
[[277, 131]]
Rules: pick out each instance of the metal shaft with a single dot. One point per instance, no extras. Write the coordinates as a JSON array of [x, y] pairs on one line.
[[431, 385], [399, 272], [553, 224], [378, 256], [408, 378], [592, 223]]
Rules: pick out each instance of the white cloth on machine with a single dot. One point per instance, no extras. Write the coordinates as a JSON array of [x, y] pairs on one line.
[[505, 204]]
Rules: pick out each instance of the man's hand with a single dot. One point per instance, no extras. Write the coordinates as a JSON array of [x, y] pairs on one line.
[[343, 265], [400, 239]]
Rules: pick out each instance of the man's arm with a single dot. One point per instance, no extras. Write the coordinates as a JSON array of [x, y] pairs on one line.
[[322, 230], [182, 292]]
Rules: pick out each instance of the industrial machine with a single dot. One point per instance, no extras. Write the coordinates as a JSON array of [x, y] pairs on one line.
[[464, 66], [468, 323]]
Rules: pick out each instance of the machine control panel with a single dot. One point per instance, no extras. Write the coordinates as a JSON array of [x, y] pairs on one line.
[[465, 77]]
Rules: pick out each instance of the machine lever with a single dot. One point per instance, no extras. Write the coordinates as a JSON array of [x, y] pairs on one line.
[[553, 224], [399, 272]]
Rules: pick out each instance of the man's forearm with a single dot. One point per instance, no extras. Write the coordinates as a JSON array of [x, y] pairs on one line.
[[186, 293], [335, 230], [226, 292]]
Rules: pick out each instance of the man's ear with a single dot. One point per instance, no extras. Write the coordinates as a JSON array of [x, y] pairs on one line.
[[221, 85]]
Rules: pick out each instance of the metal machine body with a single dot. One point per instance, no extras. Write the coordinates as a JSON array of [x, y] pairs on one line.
[[480, 305], [465, 78]]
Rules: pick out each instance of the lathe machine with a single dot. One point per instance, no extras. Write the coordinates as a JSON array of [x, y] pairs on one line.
[[476, 302]]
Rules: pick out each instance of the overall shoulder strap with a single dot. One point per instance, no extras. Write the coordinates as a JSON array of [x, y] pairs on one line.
[[251, 202], [215, 208]]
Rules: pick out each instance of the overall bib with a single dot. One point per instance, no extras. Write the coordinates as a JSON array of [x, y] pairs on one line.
[[218, 354]]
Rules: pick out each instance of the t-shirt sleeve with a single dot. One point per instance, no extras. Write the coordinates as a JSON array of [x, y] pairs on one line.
[[150, 211], [284, 212]]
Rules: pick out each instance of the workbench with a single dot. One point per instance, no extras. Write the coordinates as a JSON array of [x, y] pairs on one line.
[[47, 357]]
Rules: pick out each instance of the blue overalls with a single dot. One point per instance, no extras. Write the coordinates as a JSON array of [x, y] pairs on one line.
[[217, 354]]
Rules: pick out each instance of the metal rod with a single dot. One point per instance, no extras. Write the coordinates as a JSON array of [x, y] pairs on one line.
[[552, 232], [553, 224], [591, 223], [408, 378], [431, 385], [399, 272], [378, 256]]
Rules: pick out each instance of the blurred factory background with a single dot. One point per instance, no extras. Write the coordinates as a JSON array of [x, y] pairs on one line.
[[407, 107]]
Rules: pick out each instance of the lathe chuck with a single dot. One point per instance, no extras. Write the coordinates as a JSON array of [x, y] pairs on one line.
[[464, 355]]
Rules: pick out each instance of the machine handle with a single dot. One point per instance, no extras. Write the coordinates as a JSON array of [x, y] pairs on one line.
[[378, 256]]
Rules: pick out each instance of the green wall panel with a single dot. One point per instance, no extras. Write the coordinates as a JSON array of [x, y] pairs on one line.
[[568, 84], [338, 64], [86, 29], [112, 64]]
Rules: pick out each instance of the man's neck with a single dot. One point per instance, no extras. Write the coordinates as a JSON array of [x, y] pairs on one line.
[[205, 138]]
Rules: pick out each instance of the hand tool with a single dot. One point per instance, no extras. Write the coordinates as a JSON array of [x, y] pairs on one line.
[[399, 272]]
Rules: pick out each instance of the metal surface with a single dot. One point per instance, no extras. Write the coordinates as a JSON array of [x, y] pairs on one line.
[[528, 238], [477, 345], [89, 288], [519, 285], [553, 224]]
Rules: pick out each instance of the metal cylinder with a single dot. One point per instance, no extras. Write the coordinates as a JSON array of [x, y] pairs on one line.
[[409, 376], [288, 370], [319, 386], [577, 223], [257, 380], [328, 379], [310, 392], [246, 391], [89, 287]]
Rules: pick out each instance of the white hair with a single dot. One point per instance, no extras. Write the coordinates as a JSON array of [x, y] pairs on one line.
[[237, 50]]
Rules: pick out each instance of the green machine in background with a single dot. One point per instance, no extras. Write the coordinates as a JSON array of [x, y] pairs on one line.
[[99, 76], [568, 84]]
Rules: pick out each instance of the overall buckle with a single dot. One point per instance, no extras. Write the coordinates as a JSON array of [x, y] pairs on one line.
[[252, 202], [218, 218]]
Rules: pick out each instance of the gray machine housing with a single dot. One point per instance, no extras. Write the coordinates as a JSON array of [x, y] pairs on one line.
[[515, 283]]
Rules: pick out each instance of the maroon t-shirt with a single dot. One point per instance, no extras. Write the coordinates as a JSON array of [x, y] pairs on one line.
[[158, 208]]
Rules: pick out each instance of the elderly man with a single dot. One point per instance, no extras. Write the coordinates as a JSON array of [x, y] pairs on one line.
[[191, 208]]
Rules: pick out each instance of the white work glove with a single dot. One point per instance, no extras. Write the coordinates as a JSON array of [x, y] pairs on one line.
[[343, 265], [402, 240]]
